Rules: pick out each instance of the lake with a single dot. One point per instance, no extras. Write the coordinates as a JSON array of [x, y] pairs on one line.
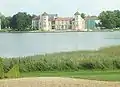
[[26, 44]]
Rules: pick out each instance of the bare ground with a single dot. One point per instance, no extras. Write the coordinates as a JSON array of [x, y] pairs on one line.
[[55, 82]]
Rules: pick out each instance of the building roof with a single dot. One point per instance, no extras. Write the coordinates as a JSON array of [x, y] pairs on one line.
[[50, 19], [52, 16], [64, 19], [36, 18], [77, 13], [44, 14], [91, 17]]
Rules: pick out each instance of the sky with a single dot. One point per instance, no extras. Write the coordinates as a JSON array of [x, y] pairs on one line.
[[61, 7]]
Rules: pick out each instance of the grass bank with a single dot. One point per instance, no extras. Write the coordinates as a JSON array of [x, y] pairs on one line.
[[88, 74], [103, 64], [103, 59]]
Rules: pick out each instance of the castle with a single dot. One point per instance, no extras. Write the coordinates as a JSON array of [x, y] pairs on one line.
[[50, 22]]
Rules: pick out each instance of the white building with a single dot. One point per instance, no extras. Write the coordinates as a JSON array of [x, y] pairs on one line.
[[50, 22], [79, 22]]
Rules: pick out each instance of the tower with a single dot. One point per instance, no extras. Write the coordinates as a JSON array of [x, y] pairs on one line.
[[44, 21], [78, 21]]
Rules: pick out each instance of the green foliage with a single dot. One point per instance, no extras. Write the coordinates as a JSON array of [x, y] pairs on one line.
[[117, 18], [21, 21], [104, 59], [110, 19], [3, 30], [1, 69], [83, 15], [33, 16], [9, 64], [5, 21], [14, 72]]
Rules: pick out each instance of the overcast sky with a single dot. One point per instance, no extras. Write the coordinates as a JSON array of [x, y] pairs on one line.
[[61, 7]]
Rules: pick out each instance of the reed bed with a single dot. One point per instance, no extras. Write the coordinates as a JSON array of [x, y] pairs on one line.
[[103, 59]]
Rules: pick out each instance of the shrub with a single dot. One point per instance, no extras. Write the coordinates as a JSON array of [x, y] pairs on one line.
[[14, 72], [1, 69], [116, 63]]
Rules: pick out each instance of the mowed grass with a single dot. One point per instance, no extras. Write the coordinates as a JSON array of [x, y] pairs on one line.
[[83, 74]]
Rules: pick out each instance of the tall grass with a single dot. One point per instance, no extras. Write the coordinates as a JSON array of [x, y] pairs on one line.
[[14, 72], [106, 58], [1, 69]]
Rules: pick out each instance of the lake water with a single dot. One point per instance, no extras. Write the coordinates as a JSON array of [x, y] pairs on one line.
[[26, 44]]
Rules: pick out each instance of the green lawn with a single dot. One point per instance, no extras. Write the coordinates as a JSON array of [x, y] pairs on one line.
[[94, 75]]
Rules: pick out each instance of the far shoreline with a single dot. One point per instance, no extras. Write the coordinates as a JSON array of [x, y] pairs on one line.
[[52, 31], [58, 31]]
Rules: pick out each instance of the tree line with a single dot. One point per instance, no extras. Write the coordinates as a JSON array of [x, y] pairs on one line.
[[18, 22], [23, 21]]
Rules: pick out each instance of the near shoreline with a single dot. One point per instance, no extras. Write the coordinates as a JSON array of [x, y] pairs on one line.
[[103, 64]]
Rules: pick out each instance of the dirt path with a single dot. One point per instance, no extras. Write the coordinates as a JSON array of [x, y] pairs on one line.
[[55, 82]]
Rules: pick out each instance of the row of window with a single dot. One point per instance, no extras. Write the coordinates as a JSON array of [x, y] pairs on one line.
[[58, 23], [62, 22], [62, 27]]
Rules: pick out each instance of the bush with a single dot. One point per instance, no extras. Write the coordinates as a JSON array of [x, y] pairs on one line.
[[1, 69], [14, 72]]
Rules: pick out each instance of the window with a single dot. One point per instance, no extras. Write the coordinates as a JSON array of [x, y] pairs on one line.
[[73, 23], [56, 22], [44, 17], [59, 22], [49, 24], [77, 24], [66, 27], [44, 25], [67, 22], [62, 22]]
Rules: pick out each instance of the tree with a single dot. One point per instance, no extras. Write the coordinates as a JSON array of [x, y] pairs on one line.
[[5, 21], [2, 17], [21, 21], [83, 15], [108, 19], [1, 69], [117, 17], [8, 22]]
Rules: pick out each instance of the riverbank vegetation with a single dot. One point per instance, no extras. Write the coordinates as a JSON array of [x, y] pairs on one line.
[[102, 60], [12, 73]]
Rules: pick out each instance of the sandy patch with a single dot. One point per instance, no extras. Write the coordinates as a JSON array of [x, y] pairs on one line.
[[55, 82]]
